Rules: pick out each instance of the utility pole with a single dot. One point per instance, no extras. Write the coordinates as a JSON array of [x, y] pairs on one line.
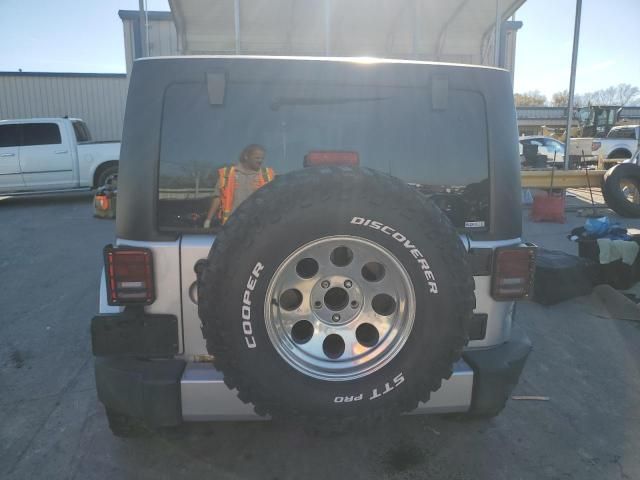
[[327, 28], [496, 40], [236, 21], [143, 29], [572, 81]]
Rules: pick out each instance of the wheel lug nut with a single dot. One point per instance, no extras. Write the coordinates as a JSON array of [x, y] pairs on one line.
[[317, 304], [335, 317], [348, 284], [354, 304], [325, 284]]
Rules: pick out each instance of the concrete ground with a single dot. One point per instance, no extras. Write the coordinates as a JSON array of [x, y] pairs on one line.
[[52, 426]]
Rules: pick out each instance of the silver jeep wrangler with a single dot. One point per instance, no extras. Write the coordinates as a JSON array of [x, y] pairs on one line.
[[376, 275]]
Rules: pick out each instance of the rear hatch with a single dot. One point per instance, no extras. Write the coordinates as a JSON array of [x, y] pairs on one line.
[[448, 130]]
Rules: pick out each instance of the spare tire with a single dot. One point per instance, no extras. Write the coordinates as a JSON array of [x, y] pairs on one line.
[[334, 294], [621, 189]]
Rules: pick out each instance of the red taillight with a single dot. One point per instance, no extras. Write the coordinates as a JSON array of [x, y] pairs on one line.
[[513, 272], [328, 158], [595, 146], [129, 272]]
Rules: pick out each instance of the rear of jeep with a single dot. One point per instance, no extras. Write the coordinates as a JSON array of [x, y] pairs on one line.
[[376, 275]]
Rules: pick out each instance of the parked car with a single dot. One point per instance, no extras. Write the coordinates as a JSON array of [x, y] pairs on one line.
[[549, 147], [53, 154], [619, 144], [379, 279]]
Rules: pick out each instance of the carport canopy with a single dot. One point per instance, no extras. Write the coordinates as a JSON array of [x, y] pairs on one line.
[[462, 31]]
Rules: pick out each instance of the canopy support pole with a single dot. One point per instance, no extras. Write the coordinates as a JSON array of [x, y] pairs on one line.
[[236, 14]]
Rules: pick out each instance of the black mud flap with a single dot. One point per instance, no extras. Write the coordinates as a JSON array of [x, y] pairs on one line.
[[496, 372], [148, 390]]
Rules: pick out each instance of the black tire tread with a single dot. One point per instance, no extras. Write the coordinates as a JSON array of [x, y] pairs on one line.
[[245, 224], [612, 193], [104, 172]]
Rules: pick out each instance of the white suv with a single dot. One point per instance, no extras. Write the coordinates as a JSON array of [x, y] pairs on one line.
[[377, 277]]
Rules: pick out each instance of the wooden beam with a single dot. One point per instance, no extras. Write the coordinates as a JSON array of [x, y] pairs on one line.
[[561, 178]]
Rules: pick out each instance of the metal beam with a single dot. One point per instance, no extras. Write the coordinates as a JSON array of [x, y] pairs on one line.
[[561, 178], [496, 41], [572, 79], [327, 28], [415, 40], [236, 18], [147, 43]]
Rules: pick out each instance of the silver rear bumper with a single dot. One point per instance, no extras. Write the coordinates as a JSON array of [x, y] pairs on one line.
[[167, 391], [205, 397]]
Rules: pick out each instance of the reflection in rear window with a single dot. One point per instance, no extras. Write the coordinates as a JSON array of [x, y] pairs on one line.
[[393, 130]]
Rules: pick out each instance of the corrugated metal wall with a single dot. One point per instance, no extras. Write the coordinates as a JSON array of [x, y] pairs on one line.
[[97, 99], [129, 43]]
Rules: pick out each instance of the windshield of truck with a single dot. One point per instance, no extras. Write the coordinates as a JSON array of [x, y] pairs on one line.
[[391, 129]]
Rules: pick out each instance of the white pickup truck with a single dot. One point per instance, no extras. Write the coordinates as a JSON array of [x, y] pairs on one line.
[[52, 154], [619, 144]]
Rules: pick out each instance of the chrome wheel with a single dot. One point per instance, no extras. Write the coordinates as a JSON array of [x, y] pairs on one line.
[[339, 308], [630, 191]]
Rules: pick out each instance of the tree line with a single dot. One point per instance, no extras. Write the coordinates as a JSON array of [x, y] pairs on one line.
[[622, 94]]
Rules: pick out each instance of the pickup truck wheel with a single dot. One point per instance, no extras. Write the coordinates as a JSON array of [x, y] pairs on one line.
[[336, 294], [621, 189], [108, 177], [620, 154]]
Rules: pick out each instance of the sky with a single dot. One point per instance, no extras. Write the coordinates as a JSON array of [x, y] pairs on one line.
[[86, 36], [65, 35], [608, 52]]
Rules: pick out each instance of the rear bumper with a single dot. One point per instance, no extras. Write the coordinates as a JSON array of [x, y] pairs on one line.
[[166, 392]]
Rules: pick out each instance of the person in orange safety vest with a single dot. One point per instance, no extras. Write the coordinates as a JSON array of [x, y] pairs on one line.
[[237, 182]]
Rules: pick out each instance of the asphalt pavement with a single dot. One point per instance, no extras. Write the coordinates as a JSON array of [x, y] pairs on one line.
[[52, 426]]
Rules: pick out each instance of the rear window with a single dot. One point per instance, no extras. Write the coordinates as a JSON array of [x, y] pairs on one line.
[[629, 133], [393, 129], [82, 131], [40, 134]]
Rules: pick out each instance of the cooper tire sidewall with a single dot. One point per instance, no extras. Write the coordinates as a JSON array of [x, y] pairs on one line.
[[400, 377]]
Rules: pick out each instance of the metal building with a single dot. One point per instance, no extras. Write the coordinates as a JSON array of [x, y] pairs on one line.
[[453, 31], [159, 33], [99, 99], [459, 31]]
